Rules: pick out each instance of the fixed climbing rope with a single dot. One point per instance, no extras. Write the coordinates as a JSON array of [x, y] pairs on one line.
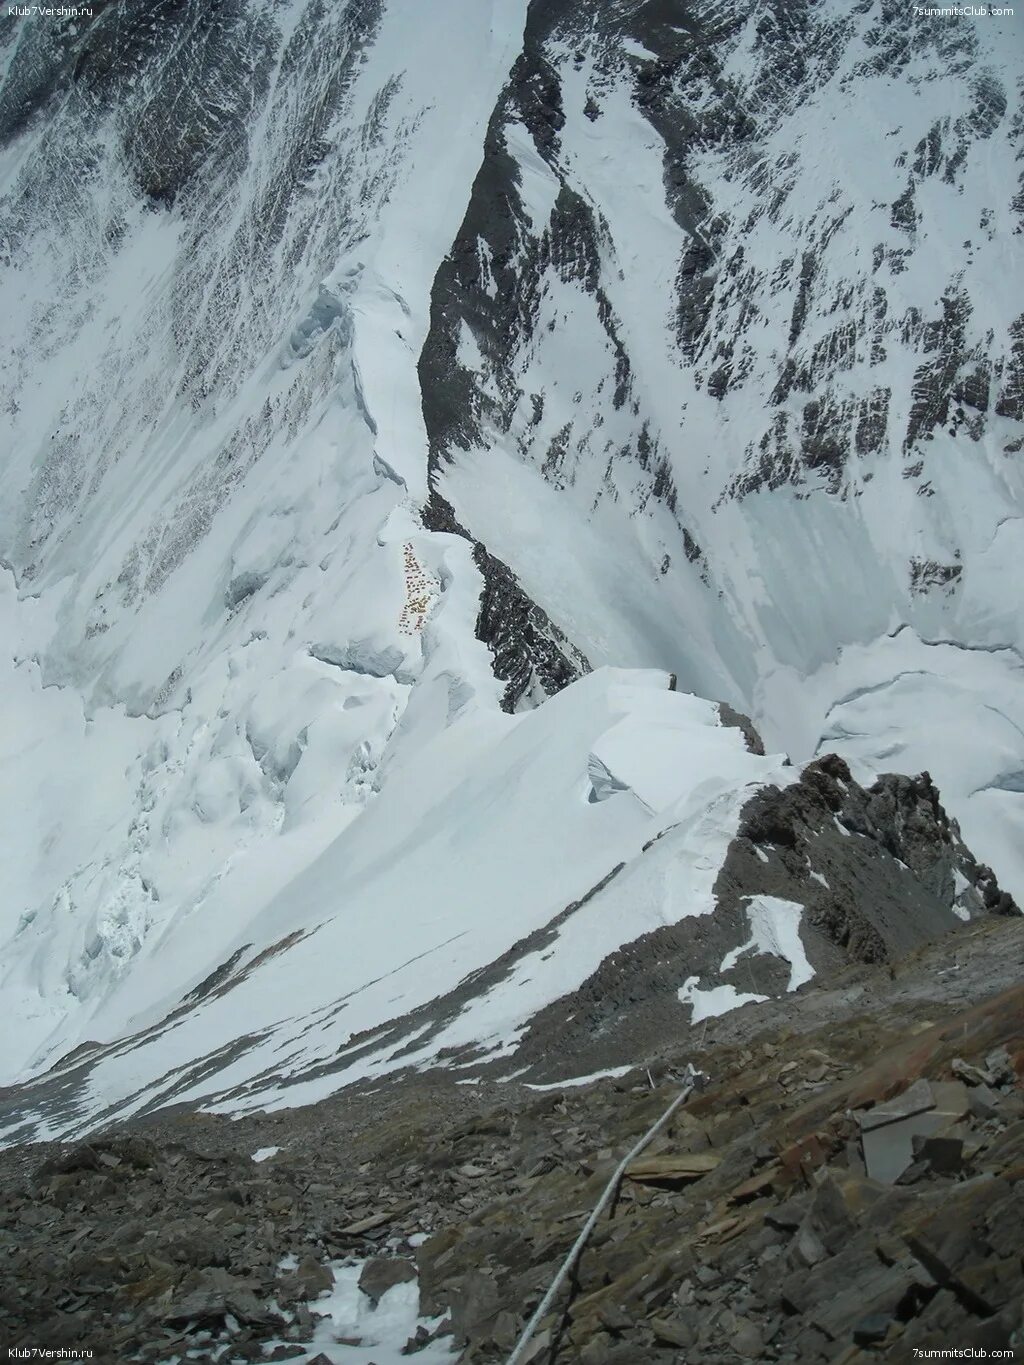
[[693, 1080]]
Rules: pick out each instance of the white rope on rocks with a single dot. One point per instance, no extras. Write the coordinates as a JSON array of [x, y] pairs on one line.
[[689, 1085]]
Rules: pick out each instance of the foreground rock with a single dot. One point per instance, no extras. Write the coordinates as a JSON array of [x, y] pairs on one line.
[[785, 1246], [755, 1227]]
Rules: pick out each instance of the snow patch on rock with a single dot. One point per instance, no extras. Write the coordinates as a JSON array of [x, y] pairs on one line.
[[775, 928]]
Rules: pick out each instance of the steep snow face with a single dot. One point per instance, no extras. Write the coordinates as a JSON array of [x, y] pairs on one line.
[[727, 361], [220, 226], [490, 877], [691, 391]]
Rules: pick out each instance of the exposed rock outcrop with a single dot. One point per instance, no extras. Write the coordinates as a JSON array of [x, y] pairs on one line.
[[867, 875]]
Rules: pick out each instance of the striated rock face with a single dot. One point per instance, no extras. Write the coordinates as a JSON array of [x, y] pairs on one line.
[[809, 310]]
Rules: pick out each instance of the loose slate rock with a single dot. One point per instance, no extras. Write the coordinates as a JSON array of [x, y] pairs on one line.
[[670, 1168], [313, 1278], [873, 1328], [889, 1131], [381, 1273], [672, 1333], [376, 1220], [943, 1154], [759, 1183], [914, 1100]]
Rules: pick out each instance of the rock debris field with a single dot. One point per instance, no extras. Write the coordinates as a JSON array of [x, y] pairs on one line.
[[848, 1185]]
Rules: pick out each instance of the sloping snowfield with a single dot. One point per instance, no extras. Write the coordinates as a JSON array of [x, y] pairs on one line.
[[484, 837], [253, 757]]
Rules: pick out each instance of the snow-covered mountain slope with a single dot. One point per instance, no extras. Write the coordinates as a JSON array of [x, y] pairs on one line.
[[726, 361], [495, 878], [214, 452], [483, 838], [370, 364]]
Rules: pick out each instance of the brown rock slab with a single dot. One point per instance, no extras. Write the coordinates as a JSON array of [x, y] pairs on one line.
[[672, 1167], [375, 1220], [802, 1157], [759, 1183], [381, 1273]]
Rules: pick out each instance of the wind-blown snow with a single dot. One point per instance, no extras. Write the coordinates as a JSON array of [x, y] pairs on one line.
[[611, 1073], [264, 1153], [382, 1330]]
